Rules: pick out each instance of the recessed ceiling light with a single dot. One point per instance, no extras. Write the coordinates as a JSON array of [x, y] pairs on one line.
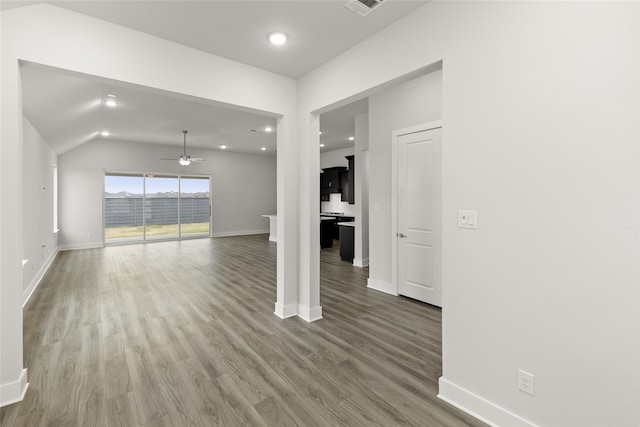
[[321, 145], [111, 101], [104, 133], [264, 148], [223, 147], [268, 129], [277, 38], [351, 138]]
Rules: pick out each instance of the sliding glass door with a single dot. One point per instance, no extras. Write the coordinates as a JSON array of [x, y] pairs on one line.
[[161, 207], [123, 209], [148, 207], [195, 207]]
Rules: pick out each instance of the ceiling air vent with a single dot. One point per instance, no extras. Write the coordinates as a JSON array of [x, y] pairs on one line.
[[362, 7]]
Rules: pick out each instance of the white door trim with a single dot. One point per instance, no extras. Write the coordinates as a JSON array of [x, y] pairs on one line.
[[394, 191]]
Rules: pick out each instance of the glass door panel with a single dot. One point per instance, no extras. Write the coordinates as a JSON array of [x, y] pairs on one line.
[[195, 218], [161, 207], [155, 207], [123, 195]]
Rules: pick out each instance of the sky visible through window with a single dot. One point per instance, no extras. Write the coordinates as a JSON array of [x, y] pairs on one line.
[[134, 184]]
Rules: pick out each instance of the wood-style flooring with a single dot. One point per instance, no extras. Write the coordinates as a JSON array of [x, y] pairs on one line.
[[183, 334]]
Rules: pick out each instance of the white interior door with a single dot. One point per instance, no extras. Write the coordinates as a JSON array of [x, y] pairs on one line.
[[418, 237]]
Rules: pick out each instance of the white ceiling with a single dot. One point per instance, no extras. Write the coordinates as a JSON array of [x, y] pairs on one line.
[[67, 109], [338, 125], [238, 30]]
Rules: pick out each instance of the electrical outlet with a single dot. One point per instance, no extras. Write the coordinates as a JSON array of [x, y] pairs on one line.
[[526, 382]]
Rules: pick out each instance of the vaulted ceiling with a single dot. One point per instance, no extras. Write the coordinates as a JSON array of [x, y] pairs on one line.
[[317, 31]]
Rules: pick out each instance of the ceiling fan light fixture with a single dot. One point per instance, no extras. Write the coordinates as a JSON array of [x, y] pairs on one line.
[[185, 159]]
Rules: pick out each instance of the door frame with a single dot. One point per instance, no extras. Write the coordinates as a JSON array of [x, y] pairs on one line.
[[394, 194]]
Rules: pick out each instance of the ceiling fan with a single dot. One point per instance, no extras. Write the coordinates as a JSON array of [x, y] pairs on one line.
[[185, 159]]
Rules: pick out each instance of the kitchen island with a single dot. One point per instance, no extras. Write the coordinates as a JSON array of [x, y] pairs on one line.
[[326, 231], [347, 231], [337, 217]]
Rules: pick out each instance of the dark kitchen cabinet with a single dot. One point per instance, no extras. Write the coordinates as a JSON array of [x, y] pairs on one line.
[[346, 243], [347, 181], [326, 232], [345, 189], [330, 180], [336, 227], [351, 194]]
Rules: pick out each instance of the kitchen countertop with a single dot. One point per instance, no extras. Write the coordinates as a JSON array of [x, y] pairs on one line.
[[333, 215]]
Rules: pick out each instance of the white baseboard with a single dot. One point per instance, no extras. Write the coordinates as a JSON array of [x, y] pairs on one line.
[[310, 314], [95, 245], [286, 311], [14, 392], [77, 246], [478, 407], [379, 285], [302, 311], [361, 262], [239, 233], [273, 239], [26, 294]]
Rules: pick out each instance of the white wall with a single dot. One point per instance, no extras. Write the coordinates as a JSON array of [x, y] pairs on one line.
[[40, 242], [414, 102], [330, 159], [52, 36], [540, 135], [361, 184], [243, 186]]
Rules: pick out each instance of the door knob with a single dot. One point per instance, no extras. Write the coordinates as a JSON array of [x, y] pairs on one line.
[[400, 235]]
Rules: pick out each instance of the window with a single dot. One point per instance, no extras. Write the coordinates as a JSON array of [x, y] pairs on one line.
[[143, 207], [55, 199]]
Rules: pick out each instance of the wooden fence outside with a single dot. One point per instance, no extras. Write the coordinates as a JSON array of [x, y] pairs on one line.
[[128, 212]]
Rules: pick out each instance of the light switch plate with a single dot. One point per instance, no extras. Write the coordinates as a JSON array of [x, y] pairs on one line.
[[468, 219]]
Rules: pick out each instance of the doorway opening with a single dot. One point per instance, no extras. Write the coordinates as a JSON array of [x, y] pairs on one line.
[[149, 207], [343, 145]]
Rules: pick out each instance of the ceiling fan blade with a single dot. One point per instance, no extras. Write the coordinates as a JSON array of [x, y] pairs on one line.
[[185, 159]]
